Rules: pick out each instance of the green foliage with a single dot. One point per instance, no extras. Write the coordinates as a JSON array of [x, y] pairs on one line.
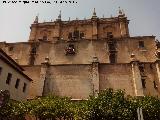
[[150, 106], [108, 105], [50, 107]]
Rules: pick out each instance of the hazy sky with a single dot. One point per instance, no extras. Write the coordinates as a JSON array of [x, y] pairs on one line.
[[15, 19]]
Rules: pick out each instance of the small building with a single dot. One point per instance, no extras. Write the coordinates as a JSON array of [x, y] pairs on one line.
[[12, 78]]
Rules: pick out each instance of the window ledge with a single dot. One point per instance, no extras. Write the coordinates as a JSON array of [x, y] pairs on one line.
[[143, 49]]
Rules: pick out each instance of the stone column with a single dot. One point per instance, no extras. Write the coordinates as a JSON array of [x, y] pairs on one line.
[[137, 83], [95, 76], [43, 76], [94, 30], [57, 32], [157, 63]]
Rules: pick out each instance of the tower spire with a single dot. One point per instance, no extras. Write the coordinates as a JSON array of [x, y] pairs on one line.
[[36, 19], [59, 16], [121, 12], [94, 14]]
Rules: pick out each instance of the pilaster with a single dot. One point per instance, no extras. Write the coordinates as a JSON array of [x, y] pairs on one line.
[[157, 63], [136, 76], [43, 77], [95, 76], [94, 29]]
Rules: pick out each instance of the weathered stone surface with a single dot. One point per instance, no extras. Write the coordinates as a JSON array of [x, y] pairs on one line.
[[75, 75]]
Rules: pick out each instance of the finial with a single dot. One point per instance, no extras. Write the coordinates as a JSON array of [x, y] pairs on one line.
[[103, 15], [120, 11], [69, 19], [94, 14], [111, 16], [123, 12], [36, 19], [59, 16], [76, 18]]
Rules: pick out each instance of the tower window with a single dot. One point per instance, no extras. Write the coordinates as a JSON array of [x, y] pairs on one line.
[[0, 70], [31, 60], [33, 51], [70, 35], [11, 48], [112, 58], [141, 44], [81, 35], [141, 68], [9, 78], [17, 83], [76, 34], [143, 82], [24, 87], [32, 54], [112, 47], [109, 35]]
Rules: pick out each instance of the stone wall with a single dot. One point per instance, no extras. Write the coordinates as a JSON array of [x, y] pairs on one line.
[[77, 81], [116, 76], [90, 27], [71, 80], [85, 50], [151, 77], [36, 85]]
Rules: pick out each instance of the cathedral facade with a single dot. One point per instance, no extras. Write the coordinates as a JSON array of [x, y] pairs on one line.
[[78, 58]]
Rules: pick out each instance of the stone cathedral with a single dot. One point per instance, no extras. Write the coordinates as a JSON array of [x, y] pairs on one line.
[[78, 58]]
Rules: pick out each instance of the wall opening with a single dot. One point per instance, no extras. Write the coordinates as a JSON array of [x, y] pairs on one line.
[[155, 85], [45, 38], [141, 44], [112, 58], [143, 82]]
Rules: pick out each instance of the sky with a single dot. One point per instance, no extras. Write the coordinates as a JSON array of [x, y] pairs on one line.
[[16, 18]]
